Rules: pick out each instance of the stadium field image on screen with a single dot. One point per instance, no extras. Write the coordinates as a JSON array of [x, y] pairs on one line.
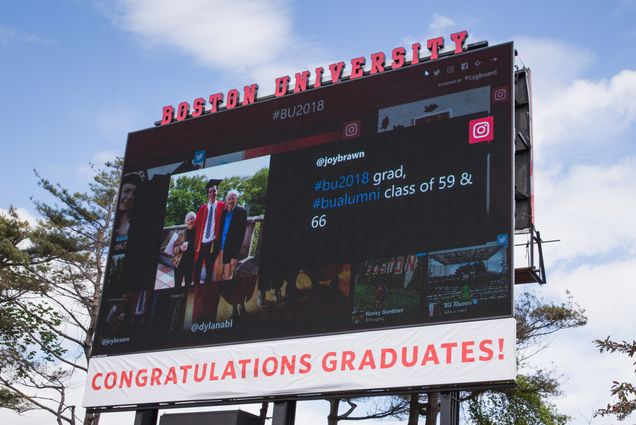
[[377, 203]]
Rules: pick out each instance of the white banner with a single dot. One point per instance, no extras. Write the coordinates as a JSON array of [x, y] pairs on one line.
[[424, 356]]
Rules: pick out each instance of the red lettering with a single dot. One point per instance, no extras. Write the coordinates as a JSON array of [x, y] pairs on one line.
[[229, 370], [397, 266], [430, 355], [302, 78], [484, 347], [336, 71], [347, 360], [416, 53], [168, 113], [434, 44], [197, 107], [113, 378], [232, 99], [384, 363], [398, 55], [171, 376], [182, 111], [141, 378], [378, 65], [274, 362], [318, 80], [94, 381], [126, 379], [256, 360], [199, 377], [249, 94], [467, 351], [244, 363], [377, 62], [329, 363], [215, 101], [288, 364], [448, 346], [367, 360], [409, 363], [155, 376], [213, 376], [280, 88], [411, 262], [357, 69], [459, 38], [305, 364], [185, 369]]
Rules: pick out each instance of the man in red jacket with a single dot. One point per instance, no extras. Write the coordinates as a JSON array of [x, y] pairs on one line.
[[207, 225]]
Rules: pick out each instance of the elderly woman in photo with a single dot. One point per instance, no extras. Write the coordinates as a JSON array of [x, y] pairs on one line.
[[183, 250]]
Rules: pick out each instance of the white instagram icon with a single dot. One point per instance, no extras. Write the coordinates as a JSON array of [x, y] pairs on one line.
[[500, 94], [351, 129], [481, 130]]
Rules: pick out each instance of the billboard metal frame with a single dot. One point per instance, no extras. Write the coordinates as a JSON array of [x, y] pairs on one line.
[[318, 395]]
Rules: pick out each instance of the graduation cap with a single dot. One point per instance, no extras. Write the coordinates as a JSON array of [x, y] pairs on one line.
[[213, 182]]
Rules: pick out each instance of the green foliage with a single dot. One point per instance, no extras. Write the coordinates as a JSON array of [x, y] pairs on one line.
[[526, 404], [188, 193], [25, 332], [8, 400], [529, 402], [50, 286], [623, 392], [256, 236], [254, 191], [537, 319]]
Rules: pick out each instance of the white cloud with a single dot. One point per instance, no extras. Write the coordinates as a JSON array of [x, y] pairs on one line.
[[582, 116], [606, 292], [222, 35], [592, 113], [441, 24], [589, 207], [248, 37], [554, 64], [23, 214], [586, 202]]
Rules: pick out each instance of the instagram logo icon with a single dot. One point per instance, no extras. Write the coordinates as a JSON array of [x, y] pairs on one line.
[[481, 130], [500, 94], [351, 129]]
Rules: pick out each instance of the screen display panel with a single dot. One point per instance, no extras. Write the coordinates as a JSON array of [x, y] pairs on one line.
[[375, 203]]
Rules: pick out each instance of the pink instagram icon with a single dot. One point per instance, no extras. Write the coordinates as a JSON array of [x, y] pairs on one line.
[[481, 130]]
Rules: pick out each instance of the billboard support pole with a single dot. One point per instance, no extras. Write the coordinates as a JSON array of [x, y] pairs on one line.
[[449, 409], [146, 417], [284, 413]]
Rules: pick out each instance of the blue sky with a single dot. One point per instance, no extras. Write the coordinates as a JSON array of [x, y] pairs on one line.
[[78, 75]]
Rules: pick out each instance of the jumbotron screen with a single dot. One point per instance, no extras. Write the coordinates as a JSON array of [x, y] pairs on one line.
[[375, 203]]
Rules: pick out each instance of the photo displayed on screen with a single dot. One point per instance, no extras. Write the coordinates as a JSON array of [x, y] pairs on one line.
[[387, 210]]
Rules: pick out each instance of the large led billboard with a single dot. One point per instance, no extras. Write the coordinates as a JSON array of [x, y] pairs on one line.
[[360, 212]]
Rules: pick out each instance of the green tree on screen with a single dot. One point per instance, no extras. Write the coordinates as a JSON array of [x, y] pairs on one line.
[[188, 193]]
